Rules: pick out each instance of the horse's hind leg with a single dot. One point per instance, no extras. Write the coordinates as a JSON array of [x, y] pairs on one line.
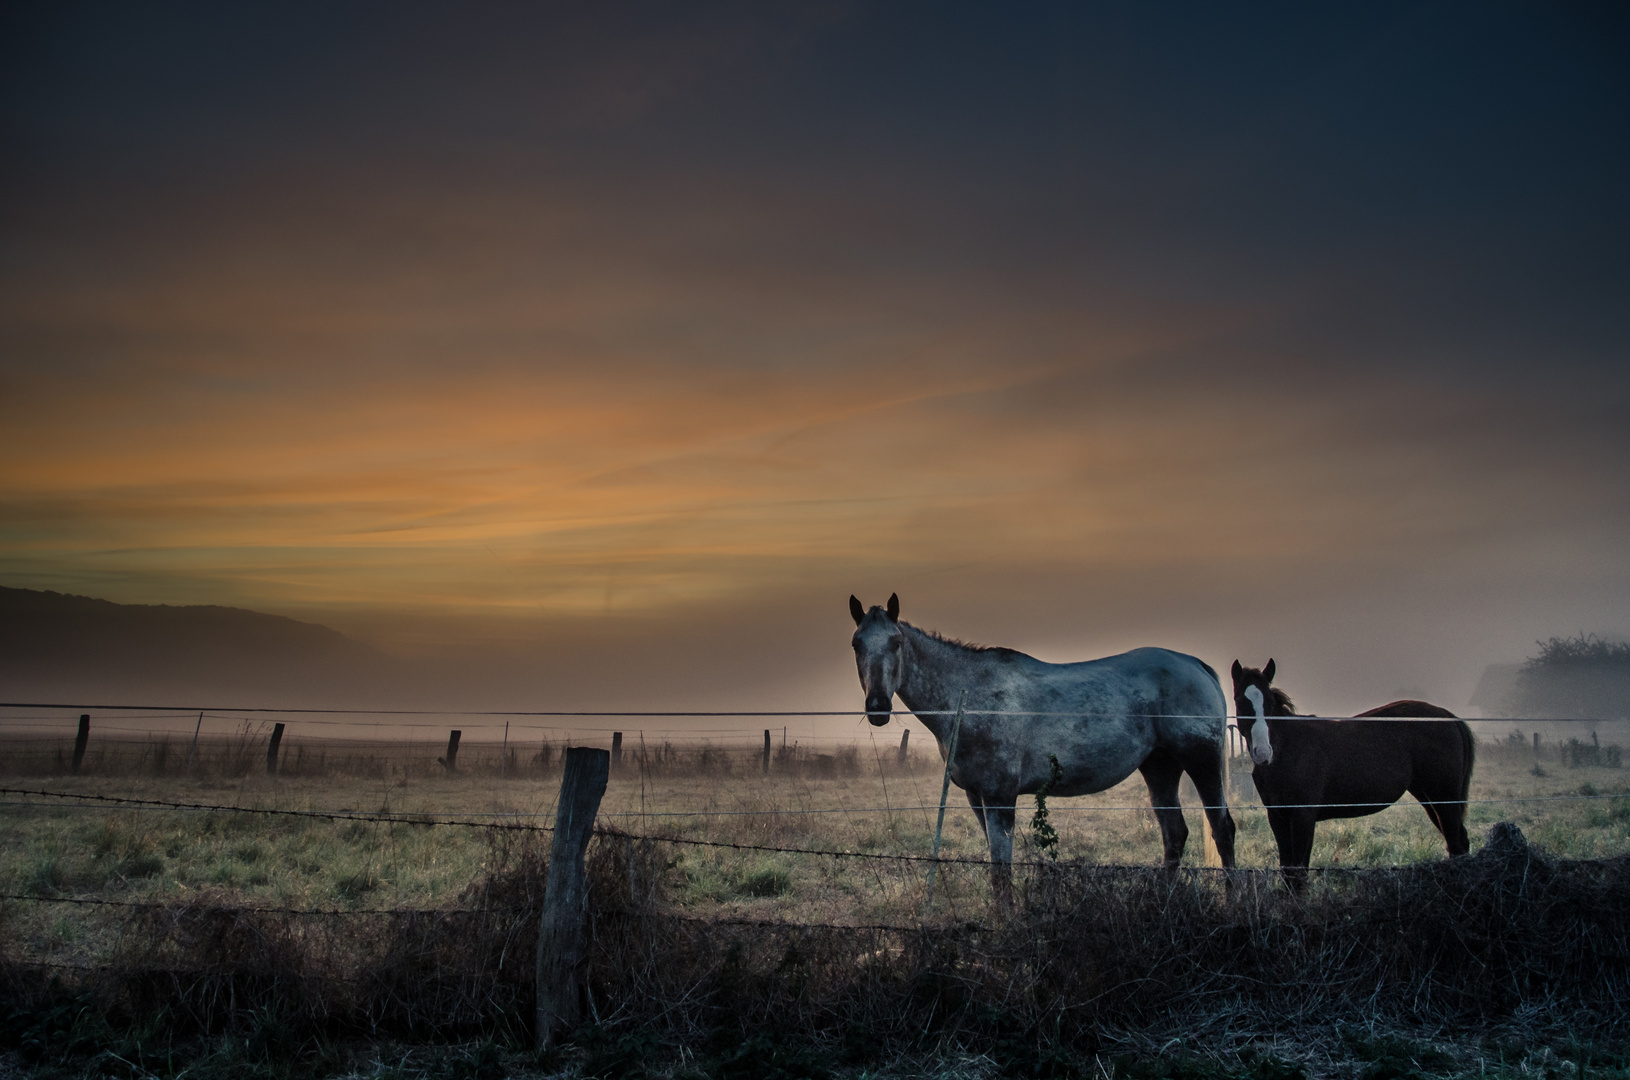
[[1162, 773], [999, 821], [1208, 782], [1454, 828], [978, 805], [1449, 817]]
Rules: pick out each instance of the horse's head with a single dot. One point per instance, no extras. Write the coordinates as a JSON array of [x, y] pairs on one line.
[[878, 641], [1252, 694]]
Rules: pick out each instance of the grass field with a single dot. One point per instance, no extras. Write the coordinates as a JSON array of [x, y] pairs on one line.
[[697, 792], [861, 800]]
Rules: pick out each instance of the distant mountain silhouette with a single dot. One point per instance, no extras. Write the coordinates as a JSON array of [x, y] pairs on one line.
[[73, 649]]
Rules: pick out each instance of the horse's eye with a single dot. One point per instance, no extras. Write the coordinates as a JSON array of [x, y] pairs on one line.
[[895, 644]]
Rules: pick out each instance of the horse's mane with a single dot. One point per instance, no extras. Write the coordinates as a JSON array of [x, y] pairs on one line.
[[966, 646], [1282, 699]]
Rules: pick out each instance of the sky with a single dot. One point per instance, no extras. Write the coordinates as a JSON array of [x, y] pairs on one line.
[[596, 355]]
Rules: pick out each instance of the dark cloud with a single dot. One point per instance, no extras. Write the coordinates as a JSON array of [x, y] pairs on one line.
[[1216, 326]]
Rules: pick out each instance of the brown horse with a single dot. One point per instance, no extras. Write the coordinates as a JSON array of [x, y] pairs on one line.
[[1310, 769]]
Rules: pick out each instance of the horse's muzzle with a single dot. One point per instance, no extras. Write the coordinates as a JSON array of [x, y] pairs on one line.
[[877, 711]]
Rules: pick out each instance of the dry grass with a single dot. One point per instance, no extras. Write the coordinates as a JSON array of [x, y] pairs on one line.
[[1093, 965], [1103, 961], [865, 803]]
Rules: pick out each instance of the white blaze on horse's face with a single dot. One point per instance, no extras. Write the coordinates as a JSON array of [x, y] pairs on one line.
[[878, 644], [1261, 748]]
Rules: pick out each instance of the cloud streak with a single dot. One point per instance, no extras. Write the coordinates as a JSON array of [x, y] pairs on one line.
[[1084, 331]]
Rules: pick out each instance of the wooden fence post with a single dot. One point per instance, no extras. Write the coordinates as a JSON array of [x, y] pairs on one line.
[[450, 762], [563, 954], [193, 749], [84, 737], [271, 749], [616, 748], [905, 737], [766, 751]]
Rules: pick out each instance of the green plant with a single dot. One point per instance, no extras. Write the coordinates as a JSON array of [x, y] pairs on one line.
[[763, 1057], [767, 881], [1043, 835], [1390, 1057], [145, 865], [613, 1057]]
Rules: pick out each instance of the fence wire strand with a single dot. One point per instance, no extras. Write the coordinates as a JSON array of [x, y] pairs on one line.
[[423, 820]]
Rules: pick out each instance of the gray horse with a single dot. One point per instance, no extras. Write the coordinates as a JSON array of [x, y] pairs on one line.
[[1153, 710]]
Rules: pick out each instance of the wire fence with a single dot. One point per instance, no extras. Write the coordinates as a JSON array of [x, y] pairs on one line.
[[188, 712], [84, 801], [248, 747], [1096, 936], [1093, 945]]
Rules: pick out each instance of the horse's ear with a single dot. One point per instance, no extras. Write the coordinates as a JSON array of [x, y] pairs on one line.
[[1237, 671], [894, 607], [856, 610], [1267, 672]]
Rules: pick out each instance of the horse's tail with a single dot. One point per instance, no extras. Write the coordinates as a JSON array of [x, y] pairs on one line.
[[1469, 742]]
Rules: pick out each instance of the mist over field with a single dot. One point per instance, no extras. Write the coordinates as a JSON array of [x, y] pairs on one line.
[[81, 652], [561, 361]]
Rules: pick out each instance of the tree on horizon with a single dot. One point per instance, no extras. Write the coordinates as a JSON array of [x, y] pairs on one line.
[[1583, 677]]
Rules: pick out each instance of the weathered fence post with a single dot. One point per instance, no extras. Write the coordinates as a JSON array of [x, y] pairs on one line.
[[905, 737], [563, 954], [945, 791], [450, 762], [766, 751], [271, 749], [616, 749], [193, 749], [1537, 770], [80, 740]]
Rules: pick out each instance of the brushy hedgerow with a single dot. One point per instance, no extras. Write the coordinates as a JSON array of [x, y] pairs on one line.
[[1092, 964]]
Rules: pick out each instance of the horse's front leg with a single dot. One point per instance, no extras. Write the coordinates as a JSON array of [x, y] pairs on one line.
[[999, 821], [1293, 832], [1162, 772]]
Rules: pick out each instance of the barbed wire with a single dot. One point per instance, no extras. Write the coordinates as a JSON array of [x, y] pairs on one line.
[[423, 818], [436, 912], [619, 834], [190, 711], [1110, 868], [246, 910], [331, 815]]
